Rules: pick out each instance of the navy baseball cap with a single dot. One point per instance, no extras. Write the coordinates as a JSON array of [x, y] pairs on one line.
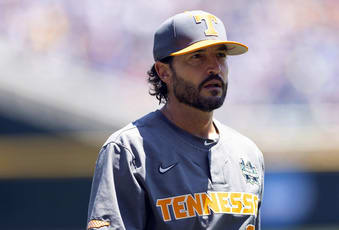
[[190, 31]]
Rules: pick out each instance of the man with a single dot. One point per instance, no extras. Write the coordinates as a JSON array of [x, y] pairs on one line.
[[177, 167]]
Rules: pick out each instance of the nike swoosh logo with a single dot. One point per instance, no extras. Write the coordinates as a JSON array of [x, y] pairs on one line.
[[164, 170], [208, 143]]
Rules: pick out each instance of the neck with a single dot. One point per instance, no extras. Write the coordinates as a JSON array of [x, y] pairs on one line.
[[190, 119]]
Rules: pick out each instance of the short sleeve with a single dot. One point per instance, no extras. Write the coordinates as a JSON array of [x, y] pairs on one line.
[[117, 199], [258, 219]]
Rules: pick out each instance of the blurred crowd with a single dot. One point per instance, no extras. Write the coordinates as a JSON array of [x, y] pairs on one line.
[[294, 45]]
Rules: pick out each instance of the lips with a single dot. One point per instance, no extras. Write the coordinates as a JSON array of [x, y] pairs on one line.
[[213, 84]]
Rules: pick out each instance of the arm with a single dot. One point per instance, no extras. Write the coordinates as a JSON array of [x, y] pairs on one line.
[[117, 200]]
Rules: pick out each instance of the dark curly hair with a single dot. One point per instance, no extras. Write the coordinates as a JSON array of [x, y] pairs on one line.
[[158, 87]]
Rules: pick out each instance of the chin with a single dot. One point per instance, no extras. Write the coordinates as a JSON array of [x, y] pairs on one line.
[[213, 97]]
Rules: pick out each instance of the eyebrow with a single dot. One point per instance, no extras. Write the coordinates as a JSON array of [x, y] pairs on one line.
[[198, 51], [223, 48]]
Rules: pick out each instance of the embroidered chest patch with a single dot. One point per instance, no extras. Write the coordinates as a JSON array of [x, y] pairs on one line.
[[249, 171]]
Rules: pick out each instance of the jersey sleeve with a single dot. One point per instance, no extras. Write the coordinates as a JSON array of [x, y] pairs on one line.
[[117, 199], [258, 219]]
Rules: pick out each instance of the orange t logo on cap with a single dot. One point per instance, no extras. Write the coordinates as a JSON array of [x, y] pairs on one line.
[[209, 19]]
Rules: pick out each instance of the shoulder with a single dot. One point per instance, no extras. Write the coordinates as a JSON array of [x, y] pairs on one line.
[[238, 140], [127, 143], [233, 135], [132, 133]]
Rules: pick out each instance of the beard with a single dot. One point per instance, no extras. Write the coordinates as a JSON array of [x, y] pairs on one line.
[[187, 93]]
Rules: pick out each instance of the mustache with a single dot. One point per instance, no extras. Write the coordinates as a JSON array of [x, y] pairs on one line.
[[212, 77]]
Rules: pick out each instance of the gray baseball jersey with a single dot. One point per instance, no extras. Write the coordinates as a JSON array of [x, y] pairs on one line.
[[153, 175]]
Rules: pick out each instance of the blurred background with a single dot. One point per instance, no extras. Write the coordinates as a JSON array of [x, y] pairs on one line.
[[72, 72]]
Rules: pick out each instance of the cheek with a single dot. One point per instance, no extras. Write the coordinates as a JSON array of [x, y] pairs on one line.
[[170, 85], [225, 71], [192, 76]]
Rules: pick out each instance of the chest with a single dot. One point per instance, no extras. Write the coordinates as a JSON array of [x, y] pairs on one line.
[[194, 185], [179, 171]]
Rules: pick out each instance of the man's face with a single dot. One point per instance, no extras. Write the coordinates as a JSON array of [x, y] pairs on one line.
[[199, 79]]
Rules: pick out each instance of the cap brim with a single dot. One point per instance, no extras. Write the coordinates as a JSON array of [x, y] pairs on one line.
[[233, 48]]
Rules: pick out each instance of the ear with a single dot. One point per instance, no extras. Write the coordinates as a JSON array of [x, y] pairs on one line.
[[163, 70]]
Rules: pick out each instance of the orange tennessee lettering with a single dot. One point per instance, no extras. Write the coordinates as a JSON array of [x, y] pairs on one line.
[[209, 203], [248, 203], [225, 208], [209, 19], [198, 204], [236, 203], [194, 205], [163, 203], [179, 207]]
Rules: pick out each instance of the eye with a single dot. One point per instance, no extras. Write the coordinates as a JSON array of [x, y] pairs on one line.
[[196, 56], [222, 55]]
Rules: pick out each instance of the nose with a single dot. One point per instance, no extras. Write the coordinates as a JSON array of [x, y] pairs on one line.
[[214, 66]]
